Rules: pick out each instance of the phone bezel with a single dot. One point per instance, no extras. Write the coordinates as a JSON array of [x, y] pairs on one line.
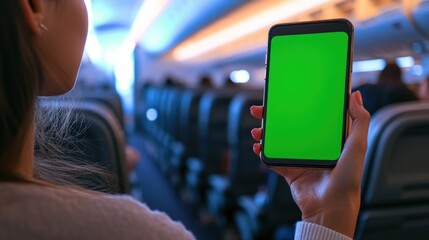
[[333, 25]]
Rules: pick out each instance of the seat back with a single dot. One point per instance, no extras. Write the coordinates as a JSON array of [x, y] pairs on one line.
[[172, 114], [109, 98], [279, 208], [188, 120], [397, 161], [407, 222], [212, 129], [245, 173], [395, 185], [151, 110], [98, 140]]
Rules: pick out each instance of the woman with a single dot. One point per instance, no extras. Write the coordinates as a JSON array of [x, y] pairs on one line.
[[42, 44]]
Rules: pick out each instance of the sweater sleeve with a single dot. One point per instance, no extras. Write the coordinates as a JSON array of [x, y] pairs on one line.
[[309, 231]]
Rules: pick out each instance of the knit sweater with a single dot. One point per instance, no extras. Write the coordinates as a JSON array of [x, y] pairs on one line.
[[30, 211]]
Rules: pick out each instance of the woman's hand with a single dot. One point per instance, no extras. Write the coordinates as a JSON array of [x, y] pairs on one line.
[[330, 198]]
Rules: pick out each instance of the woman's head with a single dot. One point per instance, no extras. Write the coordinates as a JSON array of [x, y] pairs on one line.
[[60, 47], [391, 75], [35, 61]]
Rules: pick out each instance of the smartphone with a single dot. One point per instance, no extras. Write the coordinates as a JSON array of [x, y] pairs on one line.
[[308, 69]]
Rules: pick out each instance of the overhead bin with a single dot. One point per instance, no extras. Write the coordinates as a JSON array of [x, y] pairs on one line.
[[392, 34]]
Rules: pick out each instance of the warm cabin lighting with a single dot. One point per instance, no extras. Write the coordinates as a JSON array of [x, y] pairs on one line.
[[150, 10], [180, 19], [93, 47], [369, 65], [379, 64], [274, 13], [405, 62]]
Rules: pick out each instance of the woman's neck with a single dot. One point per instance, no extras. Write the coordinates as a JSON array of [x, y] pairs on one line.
[[25, 161]]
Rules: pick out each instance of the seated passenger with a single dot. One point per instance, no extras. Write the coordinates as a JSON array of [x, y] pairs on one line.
[[389, 89], [42, 44]]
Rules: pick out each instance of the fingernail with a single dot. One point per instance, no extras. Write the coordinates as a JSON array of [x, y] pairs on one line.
[[251, 108], [359, 98], [253, 130]]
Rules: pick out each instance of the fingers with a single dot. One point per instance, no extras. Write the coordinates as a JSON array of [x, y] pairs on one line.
[[352, 158], [257, 148], [257, 134], [256, 111], [360, 123]]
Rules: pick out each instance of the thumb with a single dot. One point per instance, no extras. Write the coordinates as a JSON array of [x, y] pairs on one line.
[[353, 155]]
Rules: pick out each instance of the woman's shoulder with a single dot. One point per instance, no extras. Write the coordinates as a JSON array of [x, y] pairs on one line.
[[118, 216]]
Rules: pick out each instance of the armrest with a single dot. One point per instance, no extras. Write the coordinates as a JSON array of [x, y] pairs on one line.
[[249, 206], [194, 169], [218, 183], [194, 165], [178, 150], [251, 210]]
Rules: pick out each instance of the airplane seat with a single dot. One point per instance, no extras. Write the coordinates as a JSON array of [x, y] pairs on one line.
[[109, 98], [244, 174], [212, 141], [187, 133], [98, 139], [188, 120], [162, 135], [263, 213], [171, 128], [141, 99], [152, 97], [395, 184], [173, 110], [153, 120]]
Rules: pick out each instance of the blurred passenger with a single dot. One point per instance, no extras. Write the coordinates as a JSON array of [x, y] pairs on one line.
[[206, 82], [389, 89], [171, 82], [424, 90], [231, 84]]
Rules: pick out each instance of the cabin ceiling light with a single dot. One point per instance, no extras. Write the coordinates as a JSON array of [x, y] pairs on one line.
[[255, 22], [150, 10], [93, 47], [369, 65], [379, 64], [241, 76]]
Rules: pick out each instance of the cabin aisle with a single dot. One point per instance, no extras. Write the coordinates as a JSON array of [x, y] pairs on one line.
[[159, 194]]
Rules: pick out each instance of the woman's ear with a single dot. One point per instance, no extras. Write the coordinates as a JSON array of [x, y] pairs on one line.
[[32, 10]]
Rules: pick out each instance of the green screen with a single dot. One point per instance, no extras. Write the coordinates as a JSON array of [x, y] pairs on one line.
[[306, 92]]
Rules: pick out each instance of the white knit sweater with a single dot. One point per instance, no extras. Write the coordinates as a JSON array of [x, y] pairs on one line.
[[35, 212]]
